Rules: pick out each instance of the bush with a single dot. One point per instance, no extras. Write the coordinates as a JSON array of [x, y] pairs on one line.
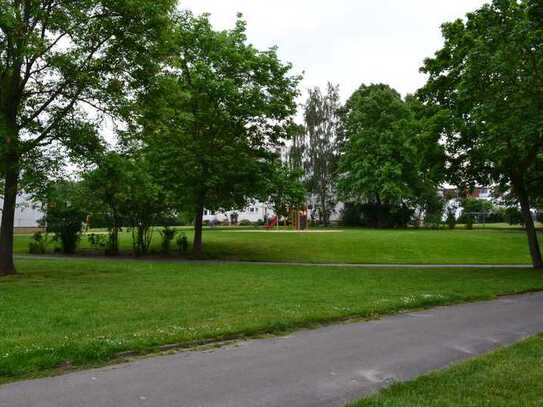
[[168, 235], [451, 218], [245, 222], [513, 216], [97, 242], [182, 243], [469, 222], [39, 243], [66, 224], [65, 214], [373, 215]]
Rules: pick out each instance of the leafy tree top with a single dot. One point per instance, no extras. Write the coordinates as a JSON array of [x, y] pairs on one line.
[[218, 114], [488, 79], [384, 158], [61, 60]]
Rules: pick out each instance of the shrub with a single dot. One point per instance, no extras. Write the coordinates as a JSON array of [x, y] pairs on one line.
[[168, 235], [513, 216], [469, 221], [142, 236], [67, 232], [373, 215], [98, 242], [245, 222], [451, 218], [182, 243], [65, 214], [433, 220], [108, 243], [39, 243]]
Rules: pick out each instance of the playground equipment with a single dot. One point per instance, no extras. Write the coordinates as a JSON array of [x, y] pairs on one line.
[[299, 218], [273, 222]]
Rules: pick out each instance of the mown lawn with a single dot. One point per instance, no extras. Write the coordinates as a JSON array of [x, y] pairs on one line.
[[509, 377], [79, 312], [485, 246]]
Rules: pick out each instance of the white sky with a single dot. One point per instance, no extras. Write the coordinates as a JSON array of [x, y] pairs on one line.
[[347, 42]]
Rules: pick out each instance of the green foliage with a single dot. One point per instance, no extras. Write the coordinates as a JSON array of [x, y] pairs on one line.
[[105, 189], [486, 86], [168, 235], [474, 205], [373, 215], [182, 243], [65, 215], [513, 216], [385, 155], [320, 152], [98, 242], [64, 66], [434, 210], [39, 244], [451, 218], [122, 191], [210, 122], [286, 191]]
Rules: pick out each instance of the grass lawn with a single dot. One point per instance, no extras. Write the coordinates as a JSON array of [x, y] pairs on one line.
[[509, 377], [80, 313], [484, 246]]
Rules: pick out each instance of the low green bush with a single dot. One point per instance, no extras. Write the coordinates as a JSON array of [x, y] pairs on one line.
[[168, 235], [39, 244]]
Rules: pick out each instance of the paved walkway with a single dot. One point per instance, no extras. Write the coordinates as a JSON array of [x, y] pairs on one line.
[[324, 367], [277, 263]]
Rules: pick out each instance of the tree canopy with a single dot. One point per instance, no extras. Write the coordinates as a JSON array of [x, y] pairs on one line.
[[387, 158], [487, 81], [321, 148], [215, 118], [63, 64]]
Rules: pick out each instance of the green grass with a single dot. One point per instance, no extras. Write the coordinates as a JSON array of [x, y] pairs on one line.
[[84, 312], [356, 246], [509, 377]]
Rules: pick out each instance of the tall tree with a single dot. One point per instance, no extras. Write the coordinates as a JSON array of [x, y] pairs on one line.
[[321, 153], [60, 59], [488, 81], [216, 116], [286, 191], [387, 159]]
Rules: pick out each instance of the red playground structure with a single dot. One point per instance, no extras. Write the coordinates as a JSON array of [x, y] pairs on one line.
[[273, 222]]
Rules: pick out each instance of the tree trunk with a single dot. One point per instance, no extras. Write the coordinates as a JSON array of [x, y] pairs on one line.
[[531, 231], [197, 246], [324, 209], [7, 266]]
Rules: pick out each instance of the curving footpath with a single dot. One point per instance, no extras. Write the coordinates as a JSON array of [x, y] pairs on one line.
[[328, 366]]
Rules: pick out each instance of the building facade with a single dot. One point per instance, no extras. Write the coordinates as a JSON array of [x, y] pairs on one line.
[[27, 214]]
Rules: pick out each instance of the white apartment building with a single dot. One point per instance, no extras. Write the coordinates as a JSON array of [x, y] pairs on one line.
[[27, 213], [255, 212]]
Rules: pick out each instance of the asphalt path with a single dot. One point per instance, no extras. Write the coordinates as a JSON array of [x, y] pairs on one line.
[[329, 366]]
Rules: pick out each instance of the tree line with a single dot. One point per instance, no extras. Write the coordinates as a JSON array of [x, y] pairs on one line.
[[203, 117]]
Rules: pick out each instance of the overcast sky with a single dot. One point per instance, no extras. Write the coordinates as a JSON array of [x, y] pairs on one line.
[[347, 42]]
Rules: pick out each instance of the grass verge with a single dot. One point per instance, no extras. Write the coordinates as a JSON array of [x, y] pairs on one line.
[[511, 376], [422, 246], [76, 313]]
